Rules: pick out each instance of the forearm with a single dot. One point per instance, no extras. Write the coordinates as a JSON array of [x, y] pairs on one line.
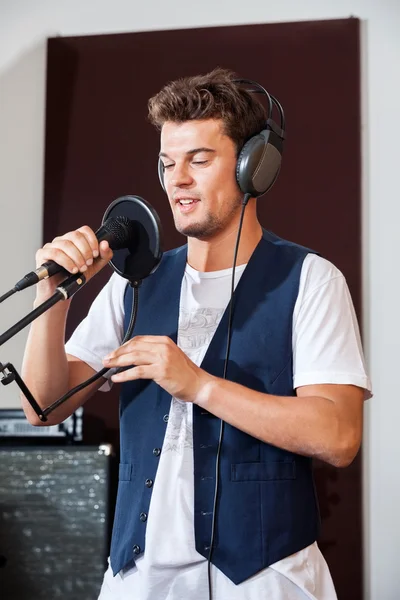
[[310, 425], [45, 365], [48, 372], [322, 421]]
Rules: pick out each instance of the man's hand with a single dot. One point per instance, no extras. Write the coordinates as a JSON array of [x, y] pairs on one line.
[[159, 358], [75, 251]]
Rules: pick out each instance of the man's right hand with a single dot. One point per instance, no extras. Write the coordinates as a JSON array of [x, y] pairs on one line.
[[75, 251]]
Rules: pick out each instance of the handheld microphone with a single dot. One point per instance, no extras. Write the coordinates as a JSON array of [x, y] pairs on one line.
[[132, 228], [118, 232]]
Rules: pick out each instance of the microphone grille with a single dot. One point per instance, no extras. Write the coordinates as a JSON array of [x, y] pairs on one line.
[[120, 232]]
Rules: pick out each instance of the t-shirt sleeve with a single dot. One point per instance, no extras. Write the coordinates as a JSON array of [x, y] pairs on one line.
[[326, 339], [102, 329]]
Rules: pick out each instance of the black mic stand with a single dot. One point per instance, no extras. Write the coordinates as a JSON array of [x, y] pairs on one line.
[[64, 291], [8, 373]]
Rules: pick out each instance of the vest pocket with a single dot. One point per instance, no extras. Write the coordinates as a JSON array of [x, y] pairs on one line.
[[125, 471], [266, 471]]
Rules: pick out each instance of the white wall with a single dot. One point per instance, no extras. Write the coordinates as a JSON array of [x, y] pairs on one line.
[[24, 25]]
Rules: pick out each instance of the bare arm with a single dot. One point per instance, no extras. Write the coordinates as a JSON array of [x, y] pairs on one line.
[[322, 421], [47, 370]]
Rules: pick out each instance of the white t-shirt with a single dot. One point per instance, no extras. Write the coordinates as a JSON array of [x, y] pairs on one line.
[[326, 349]]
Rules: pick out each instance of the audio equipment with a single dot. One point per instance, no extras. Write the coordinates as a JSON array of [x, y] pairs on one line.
[[143, 254], [15, 428], [54, 521], [132, 228]]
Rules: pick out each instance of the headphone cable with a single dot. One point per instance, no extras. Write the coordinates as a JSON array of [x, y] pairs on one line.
[[246, 198]]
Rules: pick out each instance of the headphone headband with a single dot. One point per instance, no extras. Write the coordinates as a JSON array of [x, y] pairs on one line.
[[271, 101]]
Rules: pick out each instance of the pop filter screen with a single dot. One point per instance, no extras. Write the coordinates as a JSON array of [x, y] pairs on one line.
[[144, 253]]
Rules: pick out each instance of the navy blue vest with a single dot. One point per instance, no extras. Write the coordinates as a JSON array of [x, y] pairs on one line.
[[267, 507]]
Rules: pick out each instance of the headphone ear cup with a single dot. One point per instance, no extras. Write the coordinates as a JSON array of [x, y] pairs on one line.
[[161, 174], [259, 163]]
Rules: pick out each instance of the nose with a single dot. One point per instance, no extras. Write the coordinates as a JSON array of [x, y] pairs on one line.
[[181, 177]]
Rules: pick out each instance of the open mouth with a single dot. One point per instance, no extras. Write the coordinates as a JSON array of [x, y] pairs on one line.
[[187, 201], [187, 204]]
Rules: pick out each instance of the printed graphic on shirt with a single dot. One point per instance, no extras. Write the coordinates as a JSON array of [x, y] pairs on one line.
[[196, 329], [179, 435]]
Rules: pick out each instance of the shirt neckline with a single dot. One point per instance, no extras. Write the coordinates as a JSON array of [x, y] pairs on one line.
[[212, 274]]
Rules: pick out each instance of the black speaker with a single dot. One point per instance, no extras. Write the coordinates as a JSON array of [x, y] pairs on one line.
[[54, 521]]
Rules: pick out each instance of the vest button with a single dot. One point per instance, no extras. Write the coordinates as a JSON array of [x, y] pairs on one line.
[[143, 517], [165, 418], [157, 451], [136, 549], [148, 483]]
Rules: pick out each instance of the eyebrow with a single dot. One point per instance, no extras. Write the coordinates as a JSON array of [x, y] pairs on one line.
[[189, 152]]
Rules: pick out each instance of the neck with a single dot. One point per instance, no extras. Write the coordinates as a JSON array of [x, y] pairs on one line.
[[217, 253]]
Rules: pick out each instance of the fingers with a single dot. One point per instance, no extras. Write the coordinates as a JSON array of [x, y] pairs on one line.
[[65, 253], [106, 253], [86, 240], [141, 372], [124, 359], [157, 358], [161, 340], [77, 251], [140, 349]]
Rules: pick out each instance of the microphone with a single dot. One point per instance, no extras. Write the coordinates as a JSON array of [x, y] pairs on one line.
[[118, 232], [133, 230]]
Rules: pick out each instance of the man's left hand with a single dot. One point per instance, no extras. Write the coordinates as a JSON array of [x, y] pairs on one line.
[[158, 358]]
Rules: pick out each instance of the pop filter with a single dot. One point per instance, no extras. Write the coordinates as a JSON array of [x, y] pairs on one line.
[[143, 255]]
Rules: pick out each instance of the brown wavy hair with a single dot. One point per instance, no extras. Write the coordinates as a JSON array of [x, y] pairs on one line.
[[210, 96]]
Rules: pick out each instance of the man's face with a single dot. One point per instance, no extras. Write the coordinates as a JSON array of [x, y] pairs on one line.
[[200, 162]]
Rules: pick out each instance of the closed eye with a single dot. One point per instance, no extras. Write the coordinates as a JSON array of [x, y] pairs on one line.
[[194, 162]]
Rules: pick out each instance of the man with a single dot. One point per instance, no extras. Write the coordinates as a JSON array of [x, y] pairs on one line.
[[295, 382]]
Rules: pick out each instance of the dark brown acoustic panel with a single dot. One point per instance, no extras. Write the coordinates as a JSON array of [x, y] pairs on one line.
[[99, 146]]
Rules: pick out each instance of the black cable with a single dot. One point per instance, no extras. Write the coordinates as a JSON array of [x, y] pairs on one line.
[[8, 294], [221, 433], [102, 372]]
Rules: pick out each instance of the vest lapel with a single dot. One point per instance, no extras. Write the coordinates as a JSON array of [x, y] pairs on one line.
[[250, 291], [158, 312]]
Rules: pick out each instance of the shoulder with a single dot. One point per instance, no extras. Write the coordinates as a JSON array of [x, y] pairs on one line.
[[323, 289], [316, 272], [271, 239]]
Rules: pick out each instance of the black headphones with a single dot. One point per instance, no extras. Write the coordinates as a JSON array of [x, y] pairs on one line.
[[259, 160]]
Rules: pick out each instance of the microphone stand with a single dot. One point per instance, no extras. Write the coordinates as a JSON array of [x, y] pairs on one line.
[[64, 291], [8, 372]]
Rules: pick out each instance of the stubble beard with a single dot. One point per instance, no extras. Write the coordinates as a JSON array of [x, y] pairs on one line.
[[210, 225]]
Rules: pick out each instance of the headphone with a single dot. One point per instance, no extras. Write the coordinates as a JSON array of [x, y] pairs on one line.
[[259, 161]]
